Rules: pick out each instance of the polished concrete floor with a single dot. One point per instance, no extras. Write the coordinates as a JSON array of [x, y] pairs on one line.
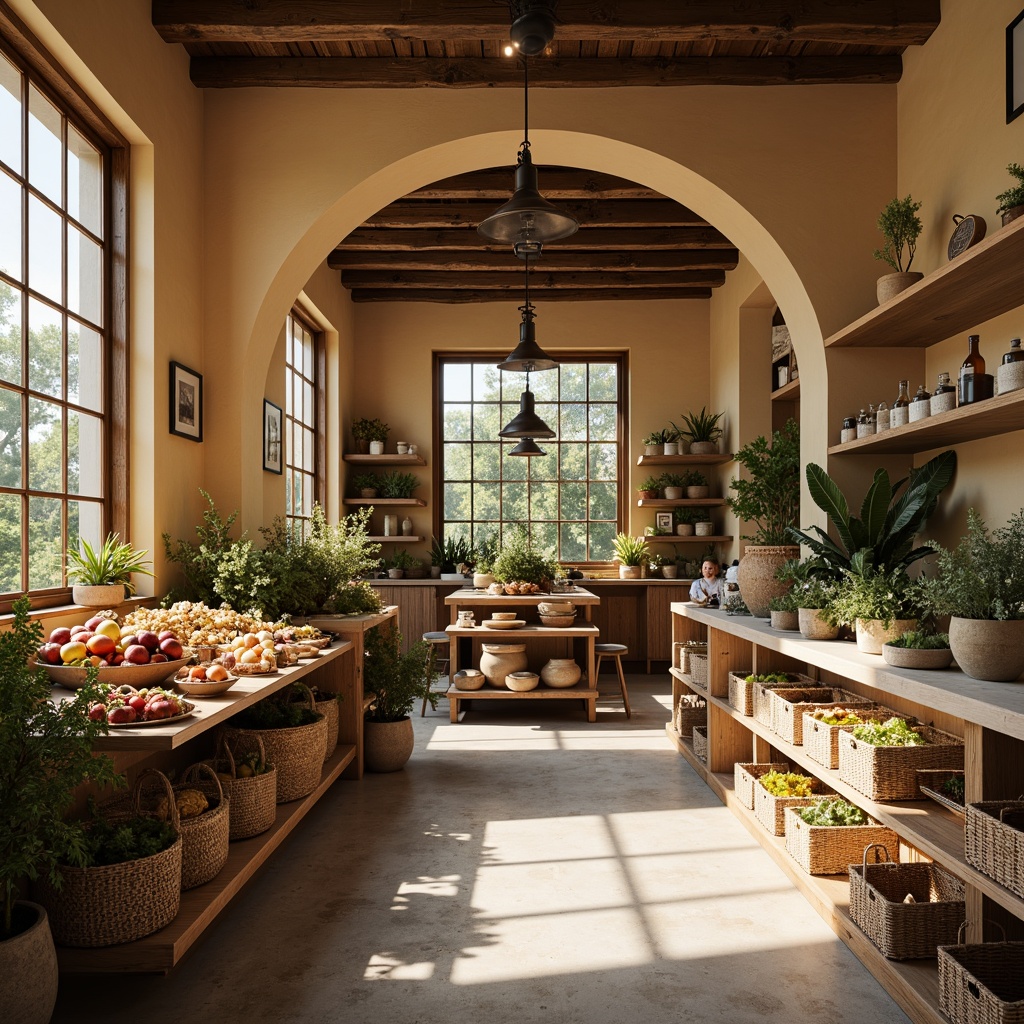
[[524, 867]]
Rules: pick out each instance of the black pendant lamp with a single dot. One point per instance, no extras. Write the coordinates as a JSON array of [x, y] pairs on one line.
[[527, 356], [526, 423], [527, 447], [528, 220]]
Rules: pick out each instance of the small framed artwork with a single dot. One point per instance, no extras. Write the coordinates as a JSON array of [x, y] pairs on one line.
[[1015, 68], [663, 522], [273, 455], [186, 402]]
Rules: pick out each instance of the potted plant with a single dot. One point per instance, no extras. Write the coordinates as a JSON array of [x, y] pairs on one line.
[[900, 227], [484, 555], [397, 484], [696, 484], [46, 752], [103, 578], [631, 552], [399, 563], [370, 435], [980, 583], [918, 649], [519, 562], [650, 488], [768, 498], [672, 485], [701, 430], [702, 525], [436, 557], [654, 443], [882, 604], [365, 484], [684, 520], [783, 611], [783, 608], [670, 446], [397, 681], [451, 554], [1011, 202], [814, 597]]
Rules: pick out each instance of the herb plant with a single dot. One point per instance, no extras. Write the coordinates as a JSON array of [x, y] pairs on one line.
[[953, 787], [397, 485], [885, 595], [279, 711], [116, 842], [769, 497], [894, 732], [364, 482], [1013, 196], [518, 561], [919, 641], [370, 430], [652, 483], [836, 813], [900, 227], [700, 426], [769, 677]]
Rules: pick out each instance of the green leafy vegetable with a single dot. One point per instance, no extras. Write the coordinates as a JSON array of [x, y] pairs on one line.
[[837, 716], [833, 812], [892, 733], [786, 783], [770, 677], [954, 788], [117, 842]]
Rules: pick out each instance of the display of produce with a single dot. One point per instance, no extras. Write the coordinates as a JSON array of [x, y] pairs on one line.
[[190, 803], [252, 653], [787, 784], [832, 812], [102, 642], [195, 623], [893, 732], [770, 677], [124, 705], [837, 716]]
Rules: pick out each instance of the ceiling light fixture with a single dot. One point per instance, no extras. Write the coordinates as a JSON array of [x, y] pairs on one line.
[[527, 356], [526, 423], [527, 447]]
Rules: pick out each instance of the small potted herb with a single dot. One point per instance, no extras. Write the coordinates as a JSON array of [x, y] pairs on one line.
[[882, 604], [397, 484], [519, 562], [1011, 202], [370, 435], [814, 597], [696, 484], [672, 484], [654, 443], [365, 484], [916, 649], [103, 578], [900, 227], [684, 519], [650, 488]]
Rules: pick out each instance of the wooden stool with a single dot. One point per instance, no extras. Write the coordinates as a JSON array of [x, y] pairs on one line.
[[615, 651], [435, 640]]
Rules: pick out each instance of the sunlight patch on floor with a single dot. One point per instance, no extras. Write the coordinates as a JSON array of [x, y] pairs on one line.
[[382, 967], [466, 736]]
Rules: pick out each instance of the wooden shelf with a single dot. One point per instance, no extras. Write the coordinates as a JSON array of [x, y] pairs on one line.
[[395, 540], [788, 392], [674, 538], [999, 415], [679, 502], [984, 281], [159, 952], [684, 460], [385, 460], [380, 502]]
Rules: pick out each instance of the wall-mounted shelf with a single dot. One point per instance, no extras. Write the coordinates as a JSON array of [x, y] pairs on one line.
[[684, 460], [675, 538], [678, 502], [385, 460], [395, 540], [984, 281], [417, 502], [788, 392]]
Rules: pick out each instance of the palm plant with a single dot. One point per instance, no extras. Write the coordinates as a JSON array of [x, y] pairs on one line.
[[113, 563]]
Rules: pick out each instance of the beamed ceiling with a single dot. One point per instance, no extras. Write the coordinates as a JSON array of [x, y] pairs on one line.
[[633, 242]]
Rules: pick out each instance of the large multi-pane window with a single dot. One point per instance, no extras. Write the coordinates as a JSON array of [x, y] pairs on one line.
[[571, 497], [55, 345], [301, 422]]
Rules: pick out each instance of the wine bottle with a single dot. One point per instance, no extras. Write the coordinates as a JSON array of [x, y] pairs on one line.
[[973, 364], [899, 414]]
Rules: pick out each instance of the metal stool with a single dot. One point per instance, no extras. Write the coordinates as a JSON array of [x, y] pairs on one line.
[[435, 640], [615, 651]]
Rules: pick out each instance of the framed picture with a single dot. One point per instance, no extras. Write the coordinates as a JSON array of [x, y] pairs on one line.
[[663, 522], [1015, 68], [273, 439], [186, 402]]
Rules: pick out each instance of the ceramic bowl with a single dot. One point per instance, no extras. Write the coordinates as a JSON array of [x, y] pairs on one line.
[[504, 615], [205, 688], [560, 621], [522, 681], [468, 679], [556, 608], [504, 623]]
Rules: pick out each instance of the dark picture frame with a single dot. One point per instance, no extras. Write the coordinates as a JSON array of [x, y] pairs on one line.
[[663, 521], [1015, 68], [273, 437], [186, 402]]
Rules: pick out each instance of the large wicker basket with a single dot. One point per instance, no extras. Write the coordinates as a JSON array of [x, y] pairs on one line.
[[690, 711], [327, 705], [296, 753], [821, 741], [890, 773], [252, 800], [683, 650], [204, 839], [742, 690], [770, 810], [746, 776], [700, 743], [901, 930], [763, 698], [115, 903], [699, 669], [982, 983], [994, 841], [788, 707], [831, 849]]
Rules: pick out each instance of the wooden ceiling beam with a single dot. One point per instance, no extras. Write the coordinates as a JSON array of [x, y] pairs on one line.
[[557, 183], [552, 260], [541, 282], [569, 294], [598, 72], [865, 22]]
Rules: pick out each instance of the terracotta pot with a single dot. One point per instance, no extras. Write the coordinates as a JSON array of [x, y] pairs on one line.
[[988, 649], [28, 956], [561, 673], [788, 621], [110, 596], [497, 660], [703, 447], [756, 575], [914, 657], [631, 572], [871, 634], [643, 495], [814, 627], [387, 746], [890, 285]]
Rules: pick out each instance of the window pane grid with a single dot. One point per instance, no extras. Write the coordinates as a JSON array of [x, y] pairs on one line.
[[570, 498], [300, 426]]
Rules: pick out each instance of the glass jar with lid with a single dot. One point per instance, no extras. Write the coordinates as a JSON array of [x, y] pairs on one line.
[[1010, 374], [920, 407], [849, 431], [944, 395]]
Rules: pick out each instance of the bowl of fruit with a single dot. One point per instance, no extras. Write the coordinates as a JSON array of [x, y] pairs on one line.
[[204, 680], [138, 660], [122, 705]]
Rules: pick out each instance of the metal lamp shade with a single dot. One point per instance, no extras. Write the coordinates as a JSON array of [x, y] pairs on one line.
[[527, 216], [526, 423], [527, 447], [527, 356]]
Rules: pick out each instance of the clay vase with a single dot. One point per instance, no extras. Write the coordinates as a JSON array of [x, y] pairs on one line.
[[871, 634], [30, 957], [387, 746], [890, 285], [561, 673], [814, 627], [987, 648], [497, 660], [756, 575]]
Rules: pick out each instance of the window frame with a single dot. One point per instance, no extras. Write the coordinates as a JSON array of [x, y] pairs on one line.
[[620, 357]]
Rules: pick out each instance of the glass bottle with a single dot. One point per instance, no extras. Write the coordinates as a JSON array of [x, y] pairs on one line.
[[862, 424], [881, 418], [920, 407], [944, 395], [1016, 354], [900, 413], [849, 431], [1011, 371], [973, 364]]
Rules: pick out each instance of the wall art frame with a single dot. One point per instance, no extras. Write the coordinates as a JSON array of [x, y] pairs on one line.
[[1015, 68], [273, 438], [663, 522], [186, 402]]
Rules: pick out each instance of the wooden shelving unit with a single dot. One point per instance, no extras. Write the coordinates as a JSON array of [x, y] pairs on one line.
[[788, 392], [684, 460], [395, 540], [381, 502], [674, 538], [680, 502], [385, 460]]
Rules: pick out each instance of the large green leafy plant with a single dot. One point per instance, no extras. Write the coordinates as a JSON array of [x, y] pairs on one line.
[[398, 680], [891, 514], [519, 561], [884, 595], [770, 497], [45, 753]]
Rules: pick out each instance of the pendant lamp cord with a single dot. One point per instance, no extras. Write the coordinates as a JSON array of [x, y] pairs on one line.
[[526, 107]]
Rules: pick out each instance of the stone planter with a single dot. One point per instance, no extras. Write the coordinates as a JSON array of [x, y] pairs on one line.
[[890, 285], [468, 679], [109, 596], [654, 449], [561, 673], [387, 746], [704, 529], [368, 492], [670, 571], [684, 529], [497, 660], [673, 493], [395, 574], [28, 960], [813, 626], [915, 657], [703, 447], [988, 649], [631, 572], [698, 491], [756, 575], [788, 621], [871, 634]]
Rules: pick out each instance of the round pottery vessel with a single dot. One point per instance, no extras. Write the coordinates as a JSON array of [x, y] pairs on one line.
[[910, 657], [631, 572], [871, 634], [703, 447], [504, 615], [556, 608], [670, 571], [673, 493], [704, 529], [988, 649], [698, 491], [756, 575], [890, 285], [684, 529], [497, 660], [468, 679], [814, 627], [561, 673], [521, 682], [558, 621], [30, 957], [107, 596], [786, 621], [482, 580], [387, 746]]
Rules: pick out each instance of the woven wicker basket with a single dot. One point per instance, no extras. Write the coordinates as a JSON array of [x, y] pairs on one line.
[[890, 773], [253, 800], [115, 903], [689, 713], [763, 701], [746, 776], [788, 707], [994, 841], [771, 810], [700, 743], [741, 691], [982, 983], [831, 849], [906, 931], [699, 669], [821, 741], [204, 839], [296, 753], [327, 705]]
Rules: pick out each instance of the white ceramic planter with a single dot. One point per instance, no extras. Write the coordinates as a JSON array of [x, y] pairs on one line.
[[704, 529], [110, 596], [871, 634], [376, 447]]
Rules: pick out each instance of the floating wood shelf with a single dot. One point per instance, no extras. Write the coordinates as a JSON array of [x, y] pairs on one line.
[[684, 460], [395, 540], [788, 392], [678, 502], [385, 460], [674, 538], [417, 502]]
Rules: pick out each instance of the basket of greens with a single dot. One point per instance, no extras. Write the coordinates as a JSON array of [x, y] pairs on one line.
[[743, 685], [827, 837], [823, 725], [775, 791]]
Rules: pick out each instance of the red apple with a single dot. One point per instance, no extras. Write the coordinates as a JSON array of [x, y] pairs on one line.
[[61, 635], [98, 712], [82, 636], [92, 623], [49, 653], [161, 709], [158, 657], [100, 644], [168, 634], [137, 702], [149, 639], [172, 648], [121, 715], [116, 659], [136, 655]]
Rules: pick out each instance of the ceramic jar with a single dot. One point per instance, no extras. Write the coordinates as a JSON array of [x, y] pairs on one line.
[[497, 660], [482, 580], [561, 673], [468, 679]]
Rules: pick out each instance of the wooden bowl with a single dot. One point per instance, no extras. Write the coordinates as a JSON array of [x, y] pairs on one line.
[[504, 623], [561, 621], [71, 677]]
